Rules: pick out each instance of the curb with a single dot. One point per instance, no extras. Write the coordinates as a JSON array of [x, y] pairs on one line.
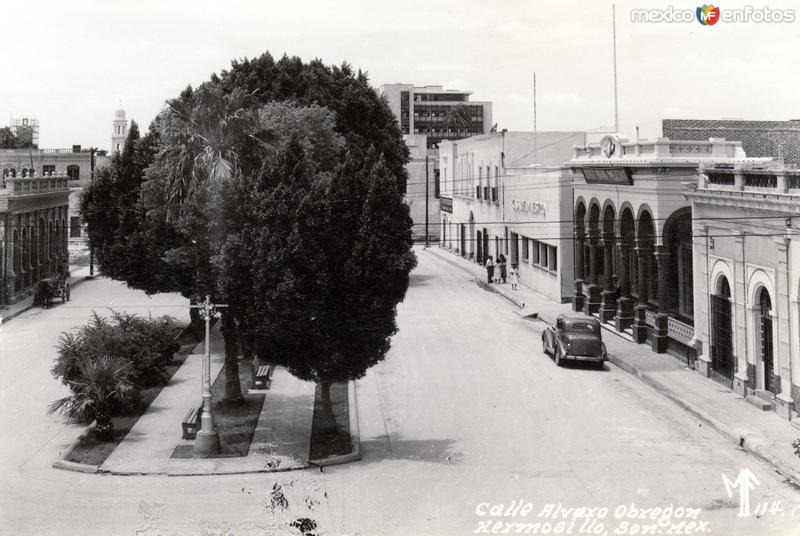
[[747, 441], [354, 455], [355, 434], [65, 465]]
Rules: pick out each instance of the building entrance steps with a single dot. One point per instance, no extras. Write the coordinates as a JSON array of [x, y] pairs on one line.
[[764, 434]]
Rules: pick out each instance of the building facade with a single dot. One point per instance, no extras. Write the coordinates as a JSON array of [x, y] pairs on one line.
[[76, 163], [33, 231], [422, 184], [426, 111], [747, 279], [634, 266], [508, 192]]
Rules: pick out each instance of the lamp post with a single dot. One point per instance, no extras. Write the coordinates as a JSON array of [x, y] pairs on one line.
[[206, 443]]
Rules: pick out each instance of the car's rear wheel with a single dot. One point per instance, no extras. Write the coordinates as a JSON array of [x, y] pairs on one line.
[[559, 360]]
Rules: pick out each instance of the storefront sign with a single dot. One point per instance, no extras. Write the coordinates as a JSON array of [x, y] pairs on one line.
[[446, 204], [531, 207], [607, 176]]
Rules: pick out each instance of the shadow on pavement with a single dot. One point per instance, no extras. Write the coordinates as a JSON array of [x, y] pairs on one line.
[[418, 450]]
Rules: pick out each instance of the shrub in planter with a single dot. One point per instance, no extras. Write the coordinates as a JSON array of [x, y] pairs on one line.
[[102, 383], [144, 342]]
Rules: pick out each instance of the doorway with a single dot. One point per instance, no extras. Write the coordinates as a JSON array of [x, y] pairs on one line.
[[721, 334], [767, 358]]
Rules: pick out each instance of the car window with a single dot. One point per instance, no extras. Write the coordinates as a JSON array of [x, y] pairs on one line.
[[581, 327]]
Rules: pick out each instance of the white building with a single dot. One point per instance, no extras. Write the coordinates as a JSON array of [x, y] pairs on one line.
[[508, 193]]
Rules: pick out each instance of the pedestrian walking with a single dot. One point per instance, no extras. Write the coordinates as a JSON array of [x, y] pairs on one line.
[[501, 260], [514, 276], [489, 269]]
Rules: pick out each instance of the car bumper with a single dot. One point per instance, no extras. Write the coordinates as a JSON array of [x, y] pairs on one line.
[[595, 358]]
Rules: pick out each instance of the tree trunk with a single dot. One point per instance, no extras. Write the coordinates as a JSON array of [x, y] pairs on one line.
[[194, 313], [233, 389], [328, 419], [104, 429]]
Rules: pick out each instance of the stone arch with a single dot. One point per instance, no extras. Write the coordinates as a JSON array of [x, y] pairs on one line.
[[718, 270], [676, 241], [757, 280]]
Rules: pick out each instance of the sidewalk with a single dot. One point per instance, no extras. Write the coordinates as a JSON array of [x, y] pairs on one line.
[[762, 433], [281, 441], [78, 274]]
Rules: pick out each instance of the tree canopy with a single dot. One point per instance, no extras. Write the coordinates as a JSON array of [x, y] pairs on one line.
[[275, 187]]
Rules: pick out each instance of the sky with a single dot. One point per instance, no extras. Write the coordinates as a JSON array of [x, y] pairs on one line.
[[70, 64]]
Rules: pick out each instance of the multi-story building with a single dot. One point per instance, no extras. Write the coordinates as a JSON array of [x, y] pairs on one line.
[[33, 231], [75, 162], [428, 111], [746, 223], [508, 193]]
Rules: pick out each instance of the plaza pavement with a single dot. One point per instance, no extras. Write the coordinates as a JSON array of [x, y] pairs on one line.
[[764, 434]]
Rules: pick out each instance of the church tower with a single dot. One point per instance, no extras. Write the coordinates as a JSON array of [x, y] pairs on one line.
[[120, 132]]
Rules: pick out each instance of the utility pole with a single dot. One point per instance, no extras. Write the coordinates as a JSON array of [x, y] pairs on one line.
[[614, 34], [92, 151], [535, 135], [206, 443], [426, 201]]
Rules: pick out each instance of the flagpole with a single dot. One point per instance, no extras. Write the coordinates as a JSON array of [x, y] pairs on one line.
[[614, 33]]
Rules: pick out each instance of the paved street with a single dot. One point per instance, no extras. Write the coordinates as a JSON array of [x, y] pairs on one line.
[[465, 411]]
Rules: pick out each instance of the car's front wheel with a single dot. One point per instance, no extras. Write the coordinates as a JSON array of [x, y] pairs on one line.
[[559, 360], [544, 345]]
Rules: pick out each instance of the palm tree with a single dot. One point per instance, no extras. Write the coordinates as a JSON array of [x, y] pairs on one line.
[[103, 382], [204, 134], [459, 117]]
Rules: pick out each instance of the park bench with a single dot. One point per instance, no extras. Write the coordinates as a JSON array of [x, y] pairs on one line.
[[191, 423], [262, 378]]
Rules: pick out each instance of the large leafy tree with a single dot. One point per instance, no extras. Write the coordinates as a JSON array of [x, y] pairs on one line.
[[276, 187]]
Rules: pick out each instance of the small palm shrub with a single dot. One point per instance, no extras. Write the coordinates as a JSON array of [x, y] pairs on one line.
[[146, 343], [102, 382]]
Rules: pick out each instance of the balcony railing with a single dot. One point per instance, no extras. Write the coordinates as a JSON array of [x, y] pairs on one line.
[[679, 331], [761, 181]]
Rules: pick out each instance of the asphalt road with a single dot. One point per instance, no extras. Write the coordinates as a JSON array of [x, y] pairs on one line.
[[465, 425]]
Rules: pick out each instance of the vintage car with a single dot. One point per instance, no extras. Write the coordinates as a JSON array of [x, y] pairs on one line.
[[575, 338]]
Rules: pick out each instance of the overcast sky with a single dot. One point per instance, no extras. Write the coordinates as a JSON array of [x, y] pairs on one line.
[[68, 64]]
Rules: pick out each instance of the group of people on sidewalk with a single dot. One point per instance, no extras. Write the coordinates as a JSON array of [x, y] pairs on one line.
[[503, 273]]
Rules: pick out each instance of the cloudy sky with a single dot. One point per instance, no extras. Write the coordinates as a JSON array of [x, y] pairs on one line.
[[68, 64]]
